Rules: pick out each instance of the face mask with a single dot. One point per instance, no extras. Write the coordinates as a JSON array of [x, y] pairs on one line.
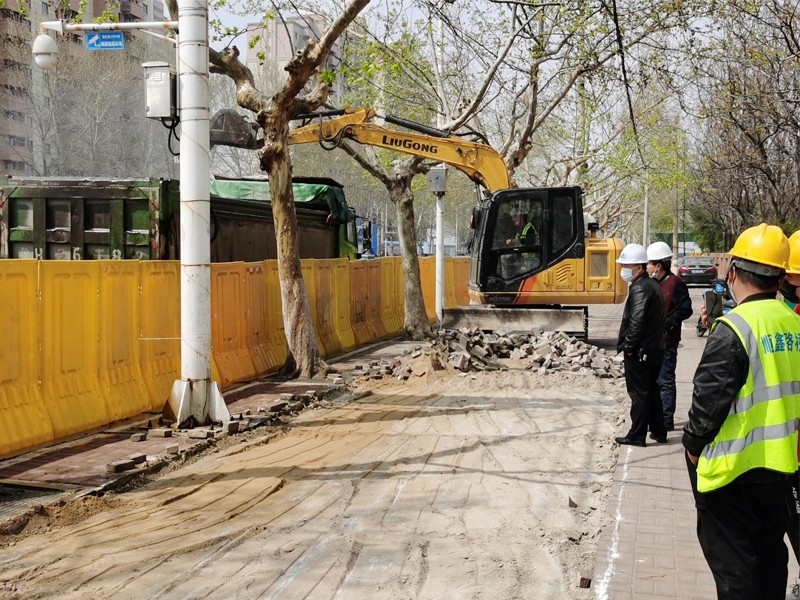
[[728, 294], [626, 274], [654, 274], [789, 292]]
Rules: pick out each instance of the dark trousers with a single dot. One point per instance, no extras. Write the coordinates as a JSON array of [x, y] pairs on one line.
[[641, 381], [666, 381], [741, 528], [793, 508]]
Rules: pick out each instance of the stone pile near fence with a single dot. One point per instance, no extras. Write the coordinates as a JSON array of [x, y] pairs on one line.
[[469, 350]]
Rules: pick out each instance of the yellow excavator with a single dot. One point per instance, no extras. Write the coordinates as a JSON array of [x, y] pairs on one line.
[[536, 260], [536, 263]]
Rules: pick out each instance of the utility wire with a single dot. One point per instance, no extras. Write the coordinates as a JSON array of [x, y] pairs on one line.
[[625, 82]]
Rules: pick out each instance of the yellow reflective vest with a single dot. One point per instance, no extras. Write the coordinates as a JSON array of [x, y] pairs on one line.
[[760, 430]]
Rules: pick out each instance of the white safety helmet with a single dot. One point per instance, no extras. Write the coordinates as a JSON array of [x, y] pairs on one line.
[[658, 251], [633, 254]]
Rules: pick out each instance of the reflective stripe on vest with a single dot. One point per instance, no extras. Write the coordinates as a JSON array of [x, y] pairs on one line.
[[527, 230], [760, 430]]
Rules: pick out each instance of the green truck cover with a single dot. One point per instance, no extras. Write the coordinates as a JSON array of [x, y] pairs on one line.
[[306, 193]]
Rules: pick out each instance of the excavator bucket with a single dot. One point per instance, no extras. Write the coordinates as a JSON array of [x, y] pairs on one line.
[[572, 320]]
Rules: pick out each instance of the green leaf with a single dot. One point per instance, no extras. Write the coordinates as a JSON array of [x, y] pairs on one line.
[[327, 77]]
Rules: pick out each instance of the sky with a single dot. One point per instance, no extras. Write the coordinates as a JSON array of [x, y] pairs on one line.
[[230, 20]]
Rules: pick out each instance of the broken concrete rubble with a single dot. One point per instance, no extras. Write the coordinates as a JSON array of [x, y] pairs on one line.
[[470, 349]]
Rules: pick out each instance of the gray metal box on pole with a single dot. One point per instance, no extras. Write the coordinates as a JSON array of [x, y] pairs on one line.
[[159, 90], [437, 179]]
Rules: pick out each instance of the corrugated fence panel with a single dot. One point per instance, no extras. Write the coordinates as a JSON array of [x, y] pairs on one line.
[[70, 383], [277, 337], [344, 329], [461, 279], [427, 273], [449, 283], [325, 305], [256, 318], [309, 269], [120, 375], [388, 313], [160, 328], [228, 324], [399, 291], [374, 323], [24, 422], [359, 302]]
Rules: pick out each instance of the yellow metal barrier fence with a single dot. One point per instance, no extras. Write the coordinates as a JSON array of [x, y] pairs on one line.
[[257, 318], [228, 325], [160, 328], [24, 421], [427, 274], [119, 368], [86, 343]]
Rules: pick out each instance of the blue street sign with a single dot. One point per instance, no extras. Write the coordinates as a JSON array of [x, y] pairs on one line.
[[105, 40]]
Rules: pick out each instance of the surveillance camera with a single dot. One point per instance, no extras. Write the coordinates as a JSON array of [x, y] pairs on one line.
[[45, 51]]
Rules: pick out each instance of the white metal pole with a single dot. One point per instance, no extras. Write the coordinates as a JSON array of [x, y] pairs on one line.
[[455, 247], [440, 118], [60, 26], [439, 255], [195, 395], [386, 231], [646, 228]]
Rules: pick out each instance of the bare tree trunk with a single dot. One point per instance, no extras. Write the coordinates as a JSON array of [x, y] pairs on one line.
[[416, 325], [273, 113], [303, 357]]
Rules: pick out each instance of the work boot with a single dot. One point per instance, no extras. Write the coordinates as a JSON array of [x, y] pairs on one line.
[[629, 441], [660, 440]]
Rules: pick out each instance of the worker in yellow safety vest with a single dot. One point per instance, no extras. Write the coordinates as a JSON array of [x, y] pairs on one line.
[[791, 283], [741, 436]]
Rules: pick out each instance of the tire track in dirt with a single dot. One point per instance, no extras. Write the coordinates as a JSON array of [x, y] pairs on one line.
[[419, 491]]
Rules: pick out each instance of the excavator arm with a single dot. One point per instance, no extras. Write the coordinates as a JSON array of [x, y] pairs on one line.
[[481, 163]]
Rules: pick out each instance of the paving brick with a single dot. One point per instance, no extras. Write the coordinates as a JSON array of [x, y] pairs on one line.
[[118, 466], [137, 458]]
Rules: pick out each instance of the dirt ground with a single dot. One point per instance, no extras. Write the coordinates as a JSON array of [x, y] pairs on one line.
[[448, 485]]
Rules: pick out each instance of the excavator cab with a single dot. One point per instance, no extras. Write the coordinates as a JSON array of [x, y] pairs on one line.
[[520, 233]]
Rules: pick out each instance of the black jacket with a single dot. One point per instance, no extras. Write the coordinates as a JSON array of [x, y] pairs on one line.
[[642, 326], [677, 307]]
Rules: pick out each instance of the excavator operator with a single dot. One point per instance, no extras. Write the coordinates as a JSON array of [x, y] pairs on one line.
[[525, 230]]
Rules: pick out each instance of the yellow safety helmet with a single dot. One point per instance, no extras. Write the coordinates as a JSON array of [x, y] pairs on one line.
[[764, 245], [794, 253]]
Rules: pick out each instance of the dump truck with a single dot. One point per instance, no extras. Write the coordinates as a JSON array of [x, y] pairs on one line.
[[127, 218]]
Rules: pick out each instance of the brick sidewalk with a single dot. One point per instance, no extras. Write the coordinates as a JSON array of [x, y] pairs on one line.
[[80, 465], [648, 552], [650, 549]]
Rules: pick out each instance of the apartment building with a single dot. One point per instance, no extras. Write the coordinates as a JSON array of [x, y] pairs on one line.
[[279, 40], [21, 81]]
